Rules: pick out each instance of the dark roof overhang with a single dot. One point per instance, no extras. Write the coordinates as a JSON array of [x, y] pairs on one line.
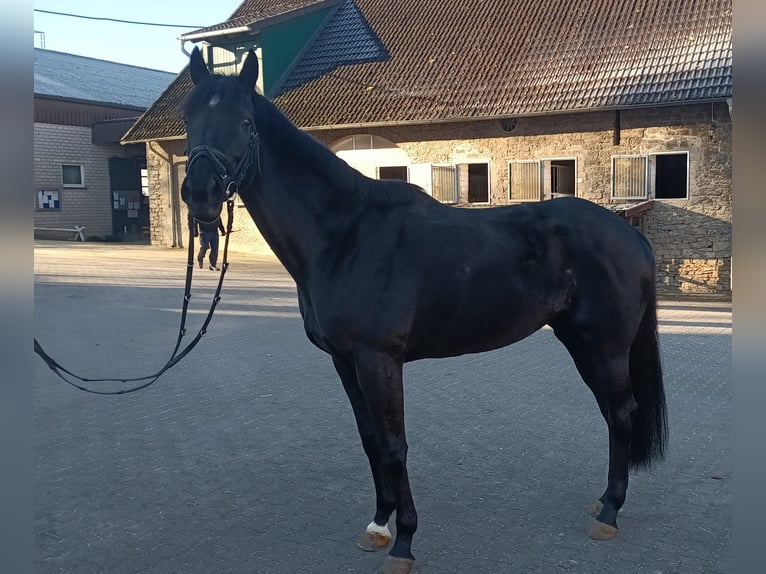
[[252, 24]]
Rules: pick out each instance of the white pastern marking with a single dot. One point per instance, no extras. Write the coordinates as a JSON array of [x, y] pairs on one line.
[[378, 529], [214, 100]]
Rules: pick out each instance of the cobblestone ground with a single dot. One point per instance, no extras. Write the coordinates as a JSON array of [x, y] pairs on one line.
[[244, 457]]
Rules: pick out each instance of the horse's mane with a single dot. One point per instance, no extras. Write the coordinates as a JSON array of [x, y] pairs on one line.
[[285, 135], [344, 178]]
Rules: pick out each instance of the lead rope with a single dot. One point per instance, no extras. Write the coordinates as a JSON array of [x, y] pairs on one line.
[[175, 357]]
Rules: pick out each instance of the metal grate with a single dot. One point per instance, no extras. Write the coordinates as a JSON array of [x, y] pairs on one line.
[[444, 183], [524, 177], [478, 183], [629, 177]]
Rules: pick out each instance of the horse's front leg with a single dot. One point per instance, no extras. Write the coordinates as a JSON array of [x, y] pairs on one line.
[[377, 535], [380, 380]]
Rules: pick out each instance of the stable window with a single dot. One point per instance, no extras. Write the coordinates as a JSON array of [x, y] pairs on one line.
[[663, 175], [444, 183], [71, 175], [671, 175], [398, 172], [558, 177], [452, 183], [478, 182], [524, 180], [145, 182], [629, 177]]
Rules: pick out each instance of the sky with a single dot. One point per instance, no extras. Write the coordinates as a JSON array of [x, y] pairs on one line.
[[138, 45]]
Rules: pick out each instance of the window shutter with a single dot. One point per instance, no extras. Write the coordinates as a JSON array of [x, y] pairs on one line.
[[629, 177], [524, 178], [444, 183]]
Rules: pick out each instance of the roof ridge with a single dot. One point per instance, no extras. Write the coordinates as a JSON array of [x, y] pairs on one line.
[[112, 62]]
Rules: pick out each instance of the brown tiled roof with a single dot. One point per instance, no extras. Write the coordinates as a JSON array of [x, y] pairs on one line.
[[163, 120], [251, 12], [453, 59], [435, 60]]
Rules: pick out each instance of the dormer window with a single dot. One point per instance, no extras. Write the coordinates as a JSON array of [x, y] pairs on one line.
[[227, 58], [277, 38]]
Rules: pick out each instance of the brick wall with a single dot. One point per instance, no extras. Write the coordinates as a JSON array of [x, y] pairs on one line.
[[91, 205], [691, 237]]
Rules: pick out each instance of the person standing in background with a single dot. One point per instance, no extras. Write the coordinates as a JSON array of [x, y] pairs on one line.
[[208, 233]]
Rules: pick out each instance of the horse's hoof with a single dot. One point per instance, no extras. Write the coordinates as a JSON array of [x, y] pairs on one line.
[[595, 508], [373, 541], [396, 565], [602, 531]]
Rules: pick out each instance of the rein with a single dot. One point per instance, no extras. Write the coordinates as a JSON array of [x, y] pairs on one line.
[[175, 357]]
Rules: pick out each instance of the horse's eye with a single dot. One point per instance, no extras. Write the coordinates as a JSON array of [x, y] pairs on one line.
[[246, 122]]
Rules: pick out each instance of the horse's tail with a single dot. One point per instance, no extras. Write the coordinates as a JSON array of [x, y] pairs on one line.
[[650, 427]]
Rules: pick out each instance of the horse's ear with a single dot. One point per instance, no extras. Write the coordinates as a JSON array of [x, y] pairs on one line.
[[197, 67], [249, 74]]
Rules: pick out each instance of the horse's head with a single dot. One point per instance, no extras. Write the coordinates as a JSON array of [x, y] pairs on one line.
[[221, 137]]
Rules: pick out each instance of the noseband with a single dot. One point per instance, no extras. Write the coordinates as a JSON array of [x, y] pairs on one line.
[[230, 178]]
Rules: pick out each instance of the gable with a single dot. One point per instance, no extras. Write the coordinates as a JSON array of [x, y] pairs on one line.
[[277, 45], [345, 40]]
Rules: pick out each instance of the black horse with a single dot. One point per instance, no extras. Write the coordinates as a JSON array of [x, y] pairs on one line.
[[386, 274]]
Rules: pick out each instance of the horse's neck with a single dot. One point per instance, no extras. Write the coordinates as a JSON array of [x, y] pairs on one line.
[[297, 207]]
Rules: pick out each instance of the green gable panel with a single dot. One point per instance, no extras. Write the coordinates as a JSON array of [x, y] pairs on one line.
[[282, 42]]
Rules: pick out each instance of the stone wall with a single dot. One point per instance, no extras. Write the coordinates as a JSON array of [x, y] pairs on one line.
[[164, 166], [691, 237], [90, 205]]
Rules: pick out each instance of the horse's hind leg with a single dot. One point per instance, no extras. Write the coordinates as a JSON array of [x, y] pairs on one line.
[[377, 535], [606, 372], [621, 411]]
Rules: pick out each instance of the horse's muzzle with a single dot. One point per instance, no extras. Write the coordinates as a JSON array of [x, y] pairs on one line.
[[204, 196]]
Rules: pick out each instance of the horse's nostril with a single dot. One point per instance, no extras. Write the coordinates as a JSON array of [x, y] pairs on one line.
[[201, 187]]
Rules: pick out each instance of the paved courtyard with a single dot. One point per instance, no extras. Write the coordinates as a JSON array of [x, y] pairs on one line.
[[244, 458]]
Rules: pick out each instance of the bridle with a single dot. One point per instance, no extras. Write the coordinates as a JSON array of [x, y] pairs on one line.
[[231, 179]]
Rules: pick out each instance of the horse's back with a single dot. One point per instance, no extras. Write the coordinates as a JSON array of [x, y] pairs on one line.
[[502, 273], [447, 281]]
